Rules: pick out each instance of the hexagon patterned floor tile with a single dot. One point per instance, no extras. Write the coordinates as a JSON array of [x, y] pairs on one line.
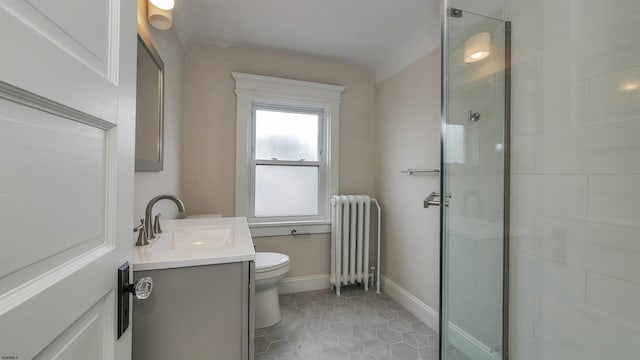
[[357, 325]]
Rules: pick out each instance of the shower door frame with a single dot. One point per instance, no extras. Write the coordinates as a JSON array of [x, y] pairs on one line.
[[444, 107]]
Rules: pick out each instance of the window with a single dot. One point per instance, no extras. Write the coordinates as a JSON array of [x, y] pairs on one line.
[[286, 153], [287, 162]]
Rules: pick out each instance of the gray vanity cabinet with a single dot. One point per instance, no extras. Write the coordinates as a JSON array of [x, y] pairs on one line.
[[199, 312]]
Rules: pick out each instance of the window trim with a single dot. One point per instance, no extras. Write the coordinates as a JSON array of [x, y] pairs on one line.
[[270, 91]]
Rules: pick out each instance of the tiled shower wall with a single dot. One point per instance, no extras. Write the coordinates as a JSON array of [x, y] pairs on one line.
[[575, 203]]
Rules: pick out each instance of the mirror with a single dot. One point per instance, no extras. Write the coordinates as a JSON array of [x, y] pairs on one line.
[[149, 107]]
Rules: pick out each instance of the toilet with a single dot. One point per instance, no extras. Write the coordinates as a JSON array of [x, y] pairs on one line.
[[271, 268]]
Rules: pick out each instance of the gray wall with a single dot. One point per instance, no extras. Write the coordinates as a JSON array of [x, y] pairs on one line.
[[168, 181], [209, 134], [408, 136]]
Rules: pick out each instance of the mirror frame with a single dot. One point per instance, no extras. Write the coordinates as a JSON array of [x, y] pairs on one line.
[[144, 164]]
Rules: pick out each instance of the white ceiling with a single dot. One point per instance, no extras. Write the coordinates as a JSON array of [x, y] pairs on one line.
[[385, 35]]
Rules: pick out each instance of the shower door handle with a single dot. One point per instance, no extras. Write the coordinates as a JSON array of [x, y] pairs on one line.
[[434, 199]]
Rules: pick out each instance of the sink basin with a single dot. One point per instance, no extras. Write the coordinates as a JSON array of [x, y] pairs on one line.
[[195, 242], [194, 237]]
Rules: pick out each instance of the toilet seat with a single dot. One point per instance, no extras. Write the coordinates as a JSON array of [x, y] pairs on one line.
[[269, 261]]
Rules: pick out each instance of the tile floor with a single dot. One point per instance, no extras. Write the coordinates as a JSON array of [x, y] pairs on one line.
[[358, 325]]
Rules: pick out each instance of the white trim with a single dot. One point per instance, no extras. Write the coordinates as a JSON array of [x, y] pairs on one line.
[[421, 310], [279, 229], [264, 89], [459, 338], [467, 344], [266, 85], [303, 283]]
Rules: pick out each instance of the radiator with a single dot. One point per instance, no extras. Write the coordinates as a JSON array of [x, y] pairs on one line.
[[350, 223]]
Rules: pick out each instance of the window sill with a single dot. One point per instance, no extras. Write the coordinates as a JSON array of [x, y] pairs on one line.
[[289, 228]]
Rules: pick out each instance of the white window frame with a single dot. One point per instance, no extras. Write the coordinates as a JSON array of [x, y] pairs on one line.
[[270, 91], [320, 163]]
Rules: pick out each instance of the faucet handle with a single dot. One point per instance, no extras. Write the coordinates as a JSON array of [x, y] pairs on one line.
[[139, 227], [142, 235], [156, 225]]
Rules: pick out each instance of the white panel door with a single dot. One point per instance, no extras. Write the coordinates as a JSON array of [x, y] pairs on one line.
[[67, 122]]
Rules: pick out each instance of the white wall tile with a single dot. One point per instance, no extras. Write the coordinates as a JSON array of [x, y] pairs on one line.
[[576, 63], [607, 49], [524, 347], [614, 297], [522, 9], [614, 199], [557, 64], [562, 196], [599, 338], [613, 250], [523, 194], [523, 154], [606, 149], [602, 12], [555, 326], [613, 97], [560, 240], [562, 106], [525, 272], [580, 334], [522, 233], [563, 20], [521, 313], [525, 76], [552, 109], [526, 114], [526, 35], [608, 249], [548, 279]]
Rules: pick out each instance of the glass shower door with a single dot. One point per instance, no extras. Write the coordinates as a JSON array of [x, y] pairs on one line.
[[474, 165]]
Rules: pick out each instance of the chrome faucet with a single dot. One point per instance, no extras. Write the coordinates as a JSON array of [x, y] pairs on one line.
[[148, 226]]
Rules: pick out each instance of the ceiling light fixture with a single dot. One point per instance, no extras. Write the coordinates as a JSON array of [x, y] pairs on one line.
[[477, 47], [160, 13]]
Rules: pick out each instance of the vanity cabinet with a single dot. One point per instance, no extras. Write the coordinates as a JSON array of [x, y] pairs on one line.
[[198, 312]]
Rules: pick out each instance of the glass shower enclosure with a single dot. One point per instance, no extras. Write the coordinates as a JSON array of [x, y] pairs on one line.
[[474, 187]]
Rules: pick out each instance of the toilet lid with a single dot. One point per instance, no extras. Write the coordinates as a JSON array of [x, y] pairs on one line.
[[266, 261]]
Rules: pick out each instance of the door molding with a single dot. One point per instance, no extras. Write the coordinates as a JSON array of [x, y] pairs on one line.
[[35, 101]]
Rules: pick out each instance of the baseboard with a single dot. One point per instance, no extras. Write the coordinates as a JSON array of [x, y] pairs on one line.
[[419, 309], [469, 345], [464, 342], [303, 283]]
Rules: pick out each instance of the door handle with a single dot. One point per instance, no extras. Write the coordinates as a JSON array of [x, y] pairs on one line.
[[430, 200], [141, 289], [435, 199]]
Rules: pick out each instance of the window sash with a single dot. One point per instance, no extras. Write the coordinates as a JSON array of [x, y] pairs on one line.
[[320, 191], [320, 164], [294, 110], [286, 162]]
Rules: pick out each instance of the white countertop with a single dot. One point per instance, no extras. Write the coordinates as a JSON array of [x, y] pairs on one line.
[[194, 242]]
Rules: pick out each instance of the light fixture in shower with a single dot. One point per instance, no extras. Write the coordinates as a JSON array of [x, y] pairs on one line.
[[160, 13], [630, 86], [477, 47]]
